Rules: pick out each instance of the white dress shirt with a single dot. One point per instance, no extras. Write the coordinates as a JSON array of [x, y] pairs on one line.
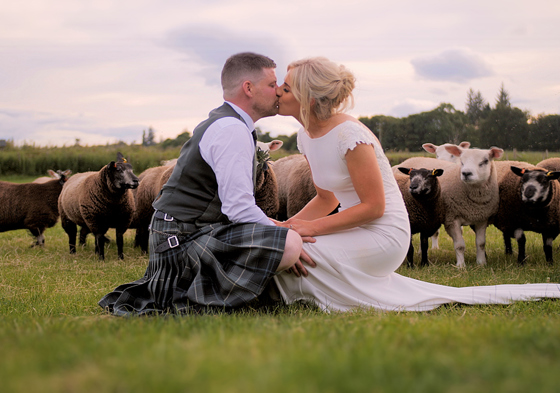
[[227, 147]]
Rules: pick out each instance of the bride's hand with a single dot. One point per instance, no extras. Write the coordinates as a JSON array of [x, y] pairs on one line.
[[302, 227]]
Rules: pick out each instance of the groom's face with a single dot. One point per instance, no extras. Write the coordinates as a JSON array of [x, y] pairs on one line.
[[265, 100]]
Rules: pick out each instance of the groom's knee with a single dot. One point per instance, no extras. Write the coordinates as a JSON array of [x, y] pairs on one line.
[[292, 250]]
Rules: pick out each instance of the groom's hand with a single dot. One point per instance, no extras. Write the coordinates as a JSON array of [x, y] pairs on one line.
[[298, 269]]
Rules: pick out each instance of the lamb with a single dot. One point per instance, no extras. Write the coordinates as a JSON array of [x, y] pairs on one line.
[[52, 175], [422, 196], [99, 201], [471, 196], [31, 206], [552, 164], [534, 195]]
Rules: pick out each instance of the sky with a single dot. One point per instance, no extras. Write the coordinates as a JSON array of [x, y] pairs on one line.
[[105, 71]]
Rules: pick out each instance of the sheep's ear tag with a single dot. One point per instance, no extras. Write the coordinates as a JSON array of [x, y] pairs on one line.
[[549, 174], [124, 160], [523, 171], [434, 172]]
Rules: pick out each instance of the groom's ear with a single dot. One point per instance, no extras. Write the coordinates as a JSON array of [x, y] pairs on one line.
[[248, 88]]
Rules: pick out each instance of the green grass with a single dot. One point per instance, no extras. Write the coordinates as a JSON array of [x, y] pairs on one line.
[[54, 337]]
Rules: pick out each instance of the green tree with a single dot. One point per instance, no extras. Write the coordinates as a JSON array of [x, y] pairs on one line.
[[148, 139], [476, 107]]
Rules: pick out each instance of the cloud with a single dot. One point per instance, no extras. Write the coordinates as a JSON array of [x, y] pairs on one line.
[[456, 65], [411, 106], [212, 45], [49, 129]]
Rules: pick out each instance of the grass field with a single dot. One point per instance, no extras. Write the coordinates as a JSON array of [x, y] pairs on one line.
[[54, 337]]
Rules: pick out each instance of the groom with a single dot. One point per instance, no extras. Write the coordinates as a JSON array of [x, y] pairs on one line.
[[210, 244]]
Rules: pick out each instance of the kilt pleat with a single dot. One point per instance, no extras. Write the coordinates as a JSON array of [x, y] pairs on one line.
[[221, 265]]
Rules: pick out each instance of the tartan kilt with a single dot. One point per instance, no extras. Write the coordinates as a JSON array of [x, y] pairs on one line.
[[220, 265]]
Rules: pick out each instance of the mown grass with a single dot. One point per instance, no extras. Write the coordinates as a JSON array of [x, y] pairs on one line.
[[54, 337]]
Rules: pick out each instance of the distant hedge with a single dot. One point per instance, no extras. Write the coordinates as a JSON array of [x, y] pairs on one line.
[[35, 161]]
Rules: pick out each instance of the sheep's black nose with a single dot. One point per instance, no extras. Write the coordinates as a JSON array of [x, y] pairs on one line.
[[530, 191], [466, 174]]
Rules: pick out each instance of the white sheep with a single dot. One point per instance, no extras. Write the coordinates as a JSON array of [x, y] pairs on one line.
[[442, 154], [471, 196], [99, 201], [552, 164]]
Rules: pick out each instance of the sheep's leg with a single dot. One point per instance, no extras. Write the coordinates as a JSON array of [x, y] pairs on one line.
[[100, 245], [435, 243], [120, 242], [39, 237], [83, 234], [424, 250], [547, 247], [521, 240], [455, 231], [507, 243], [71, 230], [410, 255], [480, 231], [142, 238]]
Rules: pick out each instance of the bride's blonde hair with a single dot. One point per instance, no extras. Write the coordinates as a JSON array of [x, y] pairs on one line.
[[322, 87]]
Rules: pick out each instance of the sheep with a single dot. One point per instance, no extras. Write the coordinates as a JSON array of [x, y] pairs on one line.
[[534, 195], [99, 201], [422, 196], [442, 154], [552, 164], [31, 206], [150, 183], [52, 175], [295, 185], [471, 197]]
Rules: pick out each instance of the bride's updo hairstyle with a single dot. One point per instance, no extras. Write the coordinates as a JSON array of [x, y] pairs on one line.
[[322, 87]]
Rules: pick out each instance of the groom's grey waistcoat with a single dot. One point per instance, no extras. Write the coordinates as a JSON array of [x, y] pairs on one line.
[[191, 193]]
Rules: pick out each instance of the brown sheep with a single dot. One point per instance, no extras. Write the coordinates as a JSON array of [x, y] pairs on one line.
[[99, 201], [31, 206], [552, 164]]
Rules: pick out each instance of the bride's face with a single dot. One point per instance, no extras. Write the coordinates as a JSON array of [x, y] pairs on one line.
[[287, 103]]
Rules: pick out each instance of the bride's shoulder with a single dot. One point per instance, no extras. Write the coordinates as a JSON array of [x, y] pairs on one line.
[[352, 133]]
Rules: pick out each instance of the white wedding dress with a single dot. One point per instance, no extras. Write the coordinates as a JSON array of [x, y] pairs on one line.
[[356, 267]]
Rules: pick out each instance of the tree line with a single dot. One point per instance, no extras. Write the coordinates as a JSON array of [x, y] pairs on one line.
[[501, 125]]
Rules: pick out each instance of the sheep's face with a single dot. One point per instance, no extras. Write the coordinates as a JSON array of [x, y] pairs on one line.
[[423, 182], [476, 164], [121, 175], [536, 185]]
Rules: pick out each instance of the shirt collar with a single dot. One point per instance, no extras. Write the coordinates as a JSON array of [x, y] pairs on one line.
[[250, 123]]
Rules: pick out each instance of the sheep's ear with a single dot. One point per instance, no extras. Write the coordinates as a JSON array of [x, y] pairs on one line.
[[518, 171], [404, 170], [51, 173], [465, 145], [429, 147], [112, 165], [496, 152], [275, 145], [437, 172], [454, 149], [67, 172], [120, 157], [553, 175]]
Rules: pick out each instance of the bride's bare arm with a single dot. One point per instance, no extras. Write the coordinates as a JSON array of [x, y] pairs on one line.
[[368, 183]]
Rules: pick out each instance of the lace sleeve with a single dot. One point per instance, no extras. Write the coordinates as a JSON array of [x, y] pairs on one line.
[[353, 134]]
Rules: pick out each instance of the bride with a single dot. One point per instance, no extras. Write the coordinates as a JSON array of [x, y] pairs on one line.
[[358, 249]]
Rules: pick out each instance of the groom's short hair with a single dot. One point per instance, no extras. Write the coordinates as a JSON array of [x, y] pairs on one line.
[[244, 66]]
